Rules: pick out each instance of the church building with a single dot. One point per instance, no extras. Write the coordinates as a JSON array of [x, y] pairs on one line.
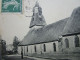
[[61, 36]]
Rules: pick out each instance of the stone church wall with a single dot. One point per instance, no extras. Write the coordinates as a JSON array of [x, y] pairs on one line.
[[49, 47], [19, 50], [71, 47]]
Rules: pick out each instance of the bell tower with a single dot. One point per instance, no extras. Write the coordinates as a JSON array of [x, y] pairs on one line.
[[37, 20]]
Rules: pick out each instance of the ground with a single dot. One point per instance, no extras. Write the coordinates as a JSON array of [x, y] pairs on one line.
[[18, 57]]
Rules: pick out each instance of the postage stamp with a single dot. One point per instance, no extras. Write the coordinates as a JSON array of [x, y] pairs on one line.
[[11, 6]]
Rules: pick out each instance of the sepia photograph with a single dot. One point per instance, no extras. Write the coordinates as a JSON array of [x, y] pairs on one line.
[[39, 29]]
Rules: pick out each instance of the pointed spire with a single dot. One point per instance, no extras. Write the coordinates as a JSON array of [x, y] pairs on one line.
[[37, 18], [37, 4]]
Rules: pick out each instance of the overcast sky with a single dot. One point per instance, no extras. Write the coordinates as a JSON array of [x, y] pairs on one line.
[[17, 24]]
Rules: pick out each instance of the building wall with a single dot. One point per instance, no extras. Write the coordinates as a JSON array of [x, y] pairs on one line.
[[72, 47], [60, 46], [25, 49], [19, 49], [29, 49], [39, 48], [32, 49], [50, 47]]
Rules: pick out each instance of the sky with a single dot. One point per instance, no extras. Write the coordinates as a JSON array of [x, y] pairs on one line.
[[17, 24]]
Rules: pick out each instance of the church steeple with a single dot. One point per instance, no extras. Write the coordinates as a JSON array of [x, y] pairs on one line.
[[37, 18]]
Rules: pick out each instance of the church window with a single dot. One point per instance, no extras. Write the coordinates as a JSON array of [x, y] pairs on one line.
[[54, 46], [76, 41], [35, 48], [44, 47], [27, 48], [67, 43]]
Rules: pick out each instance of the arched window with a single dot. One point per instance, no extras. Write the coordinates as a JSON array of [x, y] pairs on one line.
[[44, 47], [76, 41], [67, 43], [35, 48], [27, 48], [24, 49], [54, 46]]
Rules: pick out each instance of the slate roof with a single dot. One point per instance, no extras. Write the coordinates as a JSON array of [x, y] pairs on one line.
[[73, 24], [48, 33]]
